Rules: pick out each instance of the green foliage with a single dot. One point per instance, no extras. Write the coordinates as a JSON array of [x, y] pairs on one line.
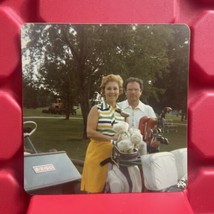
[[69, 61]]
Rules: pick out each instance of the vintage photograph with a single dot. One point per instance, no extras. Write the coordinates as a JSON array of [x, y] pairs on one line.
[[105, 108]]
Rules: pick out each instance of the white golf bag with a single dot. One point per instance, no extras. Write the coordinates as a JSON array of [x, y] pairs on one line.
[[125, 172]]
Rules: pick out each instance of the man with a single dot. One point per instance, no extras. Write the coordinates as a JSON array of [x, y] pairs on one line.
[[137, 109]]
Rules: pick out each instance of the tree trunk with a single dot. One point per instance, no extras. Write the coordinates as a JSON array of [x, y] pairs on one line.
[[84, 104], [67, 114], [68, 104]]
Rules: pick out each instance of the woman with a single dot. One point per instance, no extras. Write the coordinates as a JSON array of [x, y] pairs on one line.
[[101, 119]]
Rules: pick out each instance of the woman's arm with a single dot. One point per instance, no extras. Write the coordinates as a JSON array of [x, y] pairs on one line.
[[92, 122]]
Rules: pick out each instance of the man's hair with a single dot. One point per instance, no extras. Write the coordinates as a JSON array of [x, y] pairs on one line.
[[134, 79]]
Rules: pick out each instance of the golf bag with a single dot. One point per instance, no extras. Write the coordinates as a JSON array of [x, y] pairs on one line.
[[151, 129], [125, 172]]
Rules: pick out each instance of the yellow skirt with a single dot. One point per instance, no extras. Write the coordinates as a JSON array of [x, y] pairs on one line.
[[94, 176]]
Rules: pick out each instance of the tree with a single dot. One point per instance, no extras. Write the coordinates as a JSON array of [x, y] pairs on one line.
[[175, 81], [70, 60]]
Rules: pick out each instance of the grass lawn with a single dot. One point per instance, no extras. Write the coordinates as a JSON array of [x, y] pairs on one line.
[[27, 112], [176, 139], [66, 135]]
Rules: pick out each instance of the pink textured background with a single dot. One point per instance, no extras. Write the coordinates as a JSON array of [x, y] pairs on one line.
[[198, 15]]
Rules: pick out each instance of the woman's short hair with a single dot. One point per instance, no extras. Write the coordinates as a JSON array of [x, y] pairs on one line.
[[112, 78]]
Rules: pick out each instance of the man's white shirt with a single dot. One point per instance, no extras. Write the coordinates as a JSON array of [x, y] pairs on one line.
[[137, 113]]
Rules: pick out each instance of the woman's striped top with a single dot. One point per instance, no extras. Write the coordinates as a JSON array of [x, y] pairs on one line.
[[107, 118]]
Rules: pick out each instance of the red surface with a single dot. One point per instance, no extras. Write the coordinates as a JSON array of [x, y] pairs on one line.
[[198, 15], [112, 203], [11, 119]]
